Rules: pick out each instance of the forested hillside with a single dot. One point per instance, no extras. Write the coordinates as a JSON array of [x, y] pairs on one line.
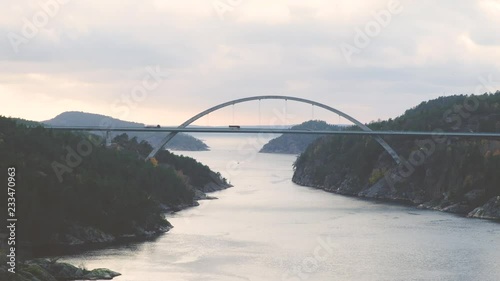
[[71, 189], [452, 174]]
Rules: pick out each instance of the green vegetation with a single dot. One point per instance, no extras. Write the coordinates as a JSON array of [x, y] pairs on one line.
[[111, 191], [295, 144], [198, 174], [449, 169], [72, 118]]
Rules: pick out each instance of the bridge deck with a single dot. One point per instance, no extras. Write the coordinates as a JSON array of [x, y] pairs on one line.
[[278, 131]]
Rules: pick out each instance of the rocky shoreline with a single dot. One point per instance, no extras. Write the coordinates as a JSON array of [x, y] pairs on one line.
[[79, 237], [449, 174], [52, 270], [471, 206]]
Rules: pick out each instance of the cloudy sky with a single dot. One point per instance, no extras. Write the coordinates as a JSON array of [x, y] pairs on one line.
[[370, 59]]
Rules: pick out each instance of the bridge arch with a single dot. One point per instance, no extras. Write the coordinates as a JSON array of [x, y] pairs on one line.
[[384, 144]]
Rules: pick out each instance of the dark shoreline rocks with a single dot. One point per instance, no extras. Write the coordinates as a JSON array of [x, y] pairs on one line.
[[490, 210], [52, 270], [79, 236], [469, 207], [66, 271]]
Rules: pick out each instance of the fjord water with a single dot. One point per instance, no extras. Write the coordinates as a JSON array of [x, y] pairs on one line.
[[267, 228]]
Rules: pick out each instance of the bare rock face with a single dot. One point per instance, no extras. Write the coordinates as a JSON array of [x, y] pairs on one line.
[[490, 210]]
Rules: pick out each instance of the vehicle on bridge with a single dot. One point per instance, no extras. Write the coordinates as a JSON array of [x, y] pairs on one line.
[[234, 127]]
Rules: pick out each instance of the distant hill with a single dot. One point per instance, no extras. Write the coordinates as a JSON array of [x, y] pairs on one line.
[[74, 118], [296, 144]]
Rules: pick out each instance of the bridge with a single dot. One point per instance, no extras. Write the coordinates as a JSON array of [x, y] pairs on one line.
[[256, 130], [365, 130]]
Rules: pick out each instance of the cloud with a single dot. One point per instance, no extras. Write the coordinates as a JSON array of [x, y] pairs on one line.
[[91, 53]]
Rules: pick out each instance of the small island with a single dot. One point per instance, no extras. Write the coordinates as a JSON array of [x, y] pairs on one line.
[[296, 144]]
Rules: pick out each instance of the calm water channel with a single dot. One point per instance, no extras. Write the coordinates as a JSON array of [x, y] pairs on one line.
[[267, 228]]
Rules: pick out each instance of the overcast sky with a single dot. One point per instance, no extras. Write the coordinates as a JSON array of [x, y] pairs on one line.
[[370, 59]]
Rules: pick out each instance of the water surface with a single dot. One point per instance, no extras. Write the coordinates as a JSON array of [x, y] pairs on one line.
[[267, 228]]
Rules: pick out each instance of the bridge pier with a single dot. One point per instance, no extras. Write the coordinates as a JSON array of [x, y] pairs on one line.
[[108, 138]]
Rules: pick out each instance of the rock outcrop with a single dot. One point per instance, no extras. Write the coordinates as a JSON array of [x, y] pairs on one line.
[[66, 271], [51, 270], [490, 210]]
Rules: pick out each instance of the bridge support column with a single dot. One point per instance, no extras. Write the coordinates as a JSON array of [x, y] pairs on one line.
[[108, 138]]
